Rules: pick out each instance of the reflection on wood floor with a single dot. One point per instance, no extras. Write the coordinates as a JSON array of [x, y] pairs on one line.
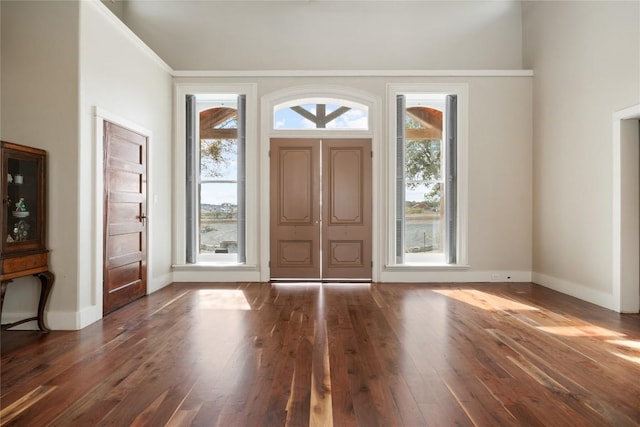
[[260, 354]]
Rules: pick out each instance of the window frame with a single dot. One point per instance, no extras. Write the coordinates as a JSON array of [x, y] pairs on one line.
[[461, 239], [180, 170], [239, 181]]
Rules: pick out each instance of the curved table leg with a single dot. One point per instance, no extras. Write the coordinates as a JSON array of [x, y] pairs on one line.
[[3, 290], [46, 280]]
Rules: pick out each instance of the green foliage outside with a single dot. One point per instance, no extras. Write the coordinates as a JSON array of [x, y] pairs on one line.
[[215, 154], [423, 166]]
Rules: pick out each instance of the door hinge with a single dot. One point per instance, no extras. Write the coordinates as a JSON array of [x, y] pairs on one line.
[[269, 264], [371, 264]]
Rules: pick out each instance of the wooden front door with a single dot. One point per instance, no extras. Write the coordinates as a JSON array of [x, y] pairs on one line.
[[346, 209], [295, 208], [320, 209], [125, 252]]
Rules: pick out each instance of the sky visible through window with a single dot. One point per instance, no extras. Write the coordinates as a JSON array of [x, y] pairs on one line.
[[355, 118]]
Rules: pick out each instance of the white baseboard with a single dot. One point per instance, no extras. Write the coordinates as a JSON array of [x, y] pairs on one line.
[[89, 315], [408, 275], [157, 283], [402, 274], [576, 290]]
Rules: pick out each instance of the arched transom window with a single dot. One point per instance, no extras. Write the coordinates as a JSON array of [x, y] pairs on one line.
[[321, 113]]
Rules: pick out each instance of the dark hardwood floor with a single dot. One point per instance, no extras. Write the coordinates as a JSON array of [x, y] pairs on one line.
[[260, 354]]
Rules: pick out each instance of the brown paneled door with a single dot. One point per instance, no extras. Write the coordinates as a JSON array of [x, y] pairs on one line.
[[125, 252], [346, 209], [320, 209], [295, 209]]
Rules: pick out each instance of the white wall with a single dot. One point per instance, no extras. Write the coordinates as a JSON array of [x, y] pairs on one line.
[[500, 168], [59, 61], [586, 60], [499, 172], [40, 108], [119, 75], [326, 35]]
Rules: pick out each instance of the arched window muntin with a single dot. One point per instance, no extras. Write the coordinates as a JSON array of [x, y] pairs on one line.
[[318, 113]]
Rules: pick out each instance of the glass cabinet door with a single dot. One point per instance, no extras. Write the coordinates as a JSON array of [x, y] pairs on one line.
[[22, 201]]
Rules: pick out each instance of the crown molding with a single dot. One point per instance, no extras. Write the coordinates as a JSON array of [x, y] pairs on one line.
[[354, 73]]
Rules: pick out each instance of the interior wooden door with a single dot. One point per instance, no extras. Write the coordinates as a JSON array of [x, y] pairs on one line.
[[295, 208], [125, 252], [320, 209], [346, 209]]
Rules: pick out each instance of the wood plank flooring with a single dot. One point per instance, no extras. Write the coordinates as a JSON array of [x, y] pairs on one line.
[[260, 354]]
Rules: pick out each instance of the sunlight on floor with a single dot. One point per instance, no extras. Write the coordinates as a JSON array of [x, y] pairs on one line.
[[580, 331], [346, 285], [222, 299], [635, 345], [628, 358], [299, 285], [319, 284], [484, 300]]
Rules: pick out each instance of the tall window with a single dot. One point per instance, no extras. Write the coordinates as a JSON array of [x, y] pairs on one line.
[[426, 178], [216, 178]]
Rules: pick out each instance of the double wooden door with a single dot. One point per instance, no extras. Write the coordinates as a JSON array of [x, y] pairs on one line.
[[320, 209]]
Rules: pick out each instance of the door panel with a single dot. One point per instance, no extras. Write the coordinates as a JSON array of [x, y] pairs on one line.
[[295, 208], [308, 243], [346, 231], [125, 275]]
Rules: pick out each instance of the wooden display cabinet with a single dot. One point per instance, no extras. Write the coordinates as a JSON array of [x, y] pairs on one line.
[[23, 219]]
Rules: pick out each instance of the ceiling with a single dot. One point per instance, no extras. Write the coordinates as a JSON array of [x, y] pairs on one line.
[[327, 34]]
